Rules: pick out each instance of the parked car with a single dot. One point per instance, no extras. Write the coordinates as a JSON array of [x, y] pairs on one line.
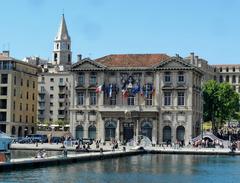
[[57, 139], [38, 138]]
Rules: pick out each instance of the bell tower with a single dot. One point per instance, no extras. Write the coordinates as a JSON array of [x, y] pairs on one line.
[[62, 54]]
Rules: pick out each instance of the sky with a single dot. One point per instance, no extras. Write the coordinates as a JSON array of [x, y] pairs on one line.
[[209, 28]]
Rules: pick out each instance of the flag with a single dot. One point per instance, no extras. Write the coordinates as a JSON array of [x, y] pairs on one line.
[[110, 90], [136, 89], [125, 92], [99, 89]]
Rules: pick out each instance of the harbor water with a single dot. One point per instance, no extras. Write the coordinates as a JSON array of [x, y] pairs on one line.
[[151, 168]]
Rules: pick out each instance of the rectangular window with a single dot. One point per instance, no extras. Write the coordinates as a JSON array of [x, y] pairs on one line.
[[180, 77], [14, 105], [81, 79], [26, 107], [20, 106], [181, 98], [26, 119], [233, 79], [27, 95], [149, 99], [15, 80], [32, 119], [167, 77], [33, 108], [3, 103], [51, 87], [60, 80], [51, 79], [21, 82], [167, 98], [4, 78], [51, 96], [80, 100], [130, 100], [27, 83], [93, 78], [33, 84], [3, 91], [93, 98], [3, 116], [33, 96]]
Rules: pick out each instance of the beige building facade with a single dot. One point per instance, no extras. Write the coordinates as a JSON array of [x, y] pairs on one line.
[[123, 96], [18, 96]]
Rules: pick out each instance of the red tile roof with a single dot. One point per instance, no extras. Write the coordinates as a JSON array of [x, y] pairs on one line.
[[132, 60]]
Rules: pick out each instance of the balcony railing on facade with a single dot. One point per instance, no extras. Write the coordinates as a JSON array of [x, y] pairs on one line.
[[61, 84], [61, 116]]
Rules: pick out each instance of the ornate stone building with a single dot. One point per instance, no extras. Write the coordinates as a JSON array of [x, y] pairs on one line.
[[123, 96]]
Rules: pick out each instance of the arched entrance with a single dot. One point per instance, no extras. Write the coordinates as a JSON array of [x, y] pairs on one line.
[[180, 133], [25, 131], [20, 131], [146, 129], [128, 131], [13, 130], [167, 134], [32, 130], [92, 132], [110, 130], [79, 132]]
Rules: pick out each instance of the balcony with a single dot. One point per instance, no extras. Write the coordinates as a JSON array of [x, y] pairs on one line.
[[62, 108], [42, 92], [61, 84], [41, 116], [61, 116], [61, 100], [41, 99]]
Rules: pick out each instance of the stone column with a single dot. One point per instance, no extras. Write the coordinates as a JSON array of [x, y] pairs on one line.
[[137, 128], [101, 129], [118, 130], [154, 132], [72, 123], [85, 128]]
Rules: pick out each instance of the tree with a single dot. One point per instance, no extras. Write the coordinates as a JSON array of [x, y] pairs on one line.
[[60, 123], [221, 102]]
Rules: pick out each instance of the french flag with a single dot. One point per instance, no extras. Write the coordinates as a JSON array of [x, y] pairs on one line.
[[99, 89]]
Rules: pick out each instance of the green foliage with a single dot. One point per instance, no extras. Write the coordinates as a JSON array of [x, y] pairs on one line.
[[47, 122], [60, 122], [220, 103]]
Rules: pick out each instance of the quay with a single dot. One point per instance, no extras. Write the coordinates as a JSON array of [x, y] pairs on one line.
[[94, 154]]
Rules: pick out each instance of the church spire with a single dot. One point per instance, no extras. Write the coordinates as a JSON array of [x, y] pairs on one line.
[[62, 54], [62, 31]]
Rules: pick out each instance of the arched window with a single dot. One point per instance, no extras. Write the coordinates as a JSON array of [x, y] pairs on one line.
[[69, 58], [20, 131], [167, 134], [79, 132], [32, 130], [57, 46], [92, 132], [146, 129], [180, 133], [55, 57], [110, 130], [13, 130]]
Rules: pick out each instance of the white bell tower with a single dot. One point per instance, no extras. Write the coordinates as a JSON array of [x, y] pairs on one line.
[[62, 54]]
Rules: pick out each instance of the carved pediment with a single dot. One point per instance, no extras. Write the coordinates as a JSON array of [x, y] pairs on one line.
[[173, 63], [87, 64]]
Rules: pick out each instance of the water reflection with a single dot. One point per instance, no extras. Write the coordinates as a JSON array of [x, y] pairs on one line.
[[140, 169]]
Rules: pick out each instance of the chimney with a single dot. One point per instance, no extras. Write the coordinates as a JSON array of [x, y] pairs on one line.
[[6, 53], [192, 58], [196, 61], [177, 55], [79, 57]]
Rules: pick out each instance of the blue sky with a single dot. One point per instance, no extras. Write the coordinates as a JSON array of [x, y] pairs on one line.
[[210, 28]]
